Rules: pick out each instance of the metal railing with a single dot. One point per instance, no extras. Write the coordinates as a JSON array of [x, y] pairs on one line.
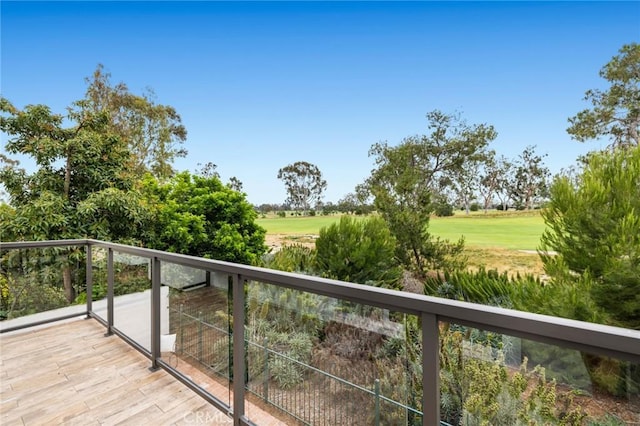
[[623, 344], [204, 341]]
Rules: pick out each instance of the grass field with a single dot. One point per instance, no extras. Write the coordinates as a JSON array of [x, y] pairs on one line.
[[507, 231], [494, 241]]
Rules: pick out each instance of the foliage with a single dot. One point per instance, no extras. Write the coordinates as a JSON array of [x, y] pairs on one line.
[[594, 227], [31, 281], [82, 186], [200, 216], [614, 112], [407, 176], [292, 258], [304, 184], [359, 251], [525, 293], [478, 391], [153, 133], [494, 180], [442, 208]]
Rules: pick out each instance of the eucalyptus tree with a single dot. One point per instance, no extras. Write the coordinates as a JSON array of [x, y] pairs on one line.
[[530, 180], [494, 177], [153, 132], [304, 184], [407, 177]]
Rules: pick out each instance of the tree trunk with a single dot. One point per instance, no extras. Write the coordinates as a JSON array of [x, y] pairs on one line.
[[69, 291]]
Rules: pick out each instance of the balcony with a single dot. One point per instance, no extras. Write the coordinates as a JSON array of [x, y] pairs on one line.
[[168, 335]]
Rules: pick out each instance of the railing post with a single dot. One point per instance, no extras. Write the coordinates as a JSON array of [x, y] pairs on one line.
[[155, 313], [238, 349], [110, 280], [266, 370], [430, 370], [376, 388], [89, 281]]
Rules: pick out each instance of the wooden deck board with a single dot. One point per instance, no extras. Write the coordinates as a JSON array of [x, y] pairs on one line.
[[72, 374]]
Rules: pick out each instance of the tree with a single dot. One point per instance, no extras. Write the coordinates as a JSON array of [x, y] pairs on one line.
[[407, 176], [615, 113], [530, 179], [235, 184], [304, 184], [594, 226], [82, 188], [200, 216], [153, 132], [359, 251], [468, 181], [500, 173]]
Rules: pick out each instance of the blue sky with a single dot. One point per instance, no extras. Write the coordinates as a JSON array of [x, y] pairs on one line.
[[260, 85]]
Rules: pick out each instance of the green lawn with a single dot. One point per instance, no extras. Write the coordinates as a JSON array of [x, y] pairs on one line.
[[515, 232]]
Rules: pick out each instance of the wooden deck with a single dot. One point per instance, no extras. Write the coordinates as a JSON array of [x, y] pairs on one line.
[[70, 373]]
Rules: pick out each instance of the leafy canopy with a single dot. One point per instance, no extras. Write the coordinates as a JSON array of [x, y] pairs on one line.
[[409, 176], [615, 113], [304, 184], [201, 216]]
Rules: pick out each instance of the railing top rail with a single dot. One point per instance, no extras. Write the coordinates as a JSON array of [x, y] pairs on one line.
[[589, 337], [41, 244]]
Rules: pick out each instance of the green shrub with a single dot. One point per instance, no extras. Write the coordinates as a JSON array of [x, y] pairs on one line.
[[291, 258], [443, 209], [474, 207], [359, 251]]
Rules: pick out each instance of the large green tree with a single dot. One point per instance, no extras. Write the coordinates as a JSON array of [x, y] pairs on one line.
[[200, 216], [615, 112], [153, 132], [594, 226], [407, 177], [82, 186]]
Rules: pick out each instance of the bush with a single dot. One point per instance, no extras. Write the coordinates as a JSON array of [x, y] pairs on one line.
[[282, 214], [360, 251], [292, 258], [474, 207], [443, 209]]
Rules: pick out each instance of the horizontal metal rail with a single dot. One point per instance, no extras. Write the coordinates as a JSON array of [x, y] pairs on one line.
[[588, 337]]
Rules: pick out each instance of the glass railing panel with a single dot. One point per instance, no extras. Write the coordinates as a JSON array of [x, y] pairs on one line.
[[132, 297], [321, 361], [38, 284], [195, 327], [99, 282], [492, 378]]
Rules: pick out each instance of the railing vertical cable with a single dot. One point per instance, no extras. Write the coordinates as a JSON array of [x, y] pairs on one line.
[[430, 370], [89, 280], [238, 352], [110, 283], [377, 402], [155, 313], [266, 371]]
